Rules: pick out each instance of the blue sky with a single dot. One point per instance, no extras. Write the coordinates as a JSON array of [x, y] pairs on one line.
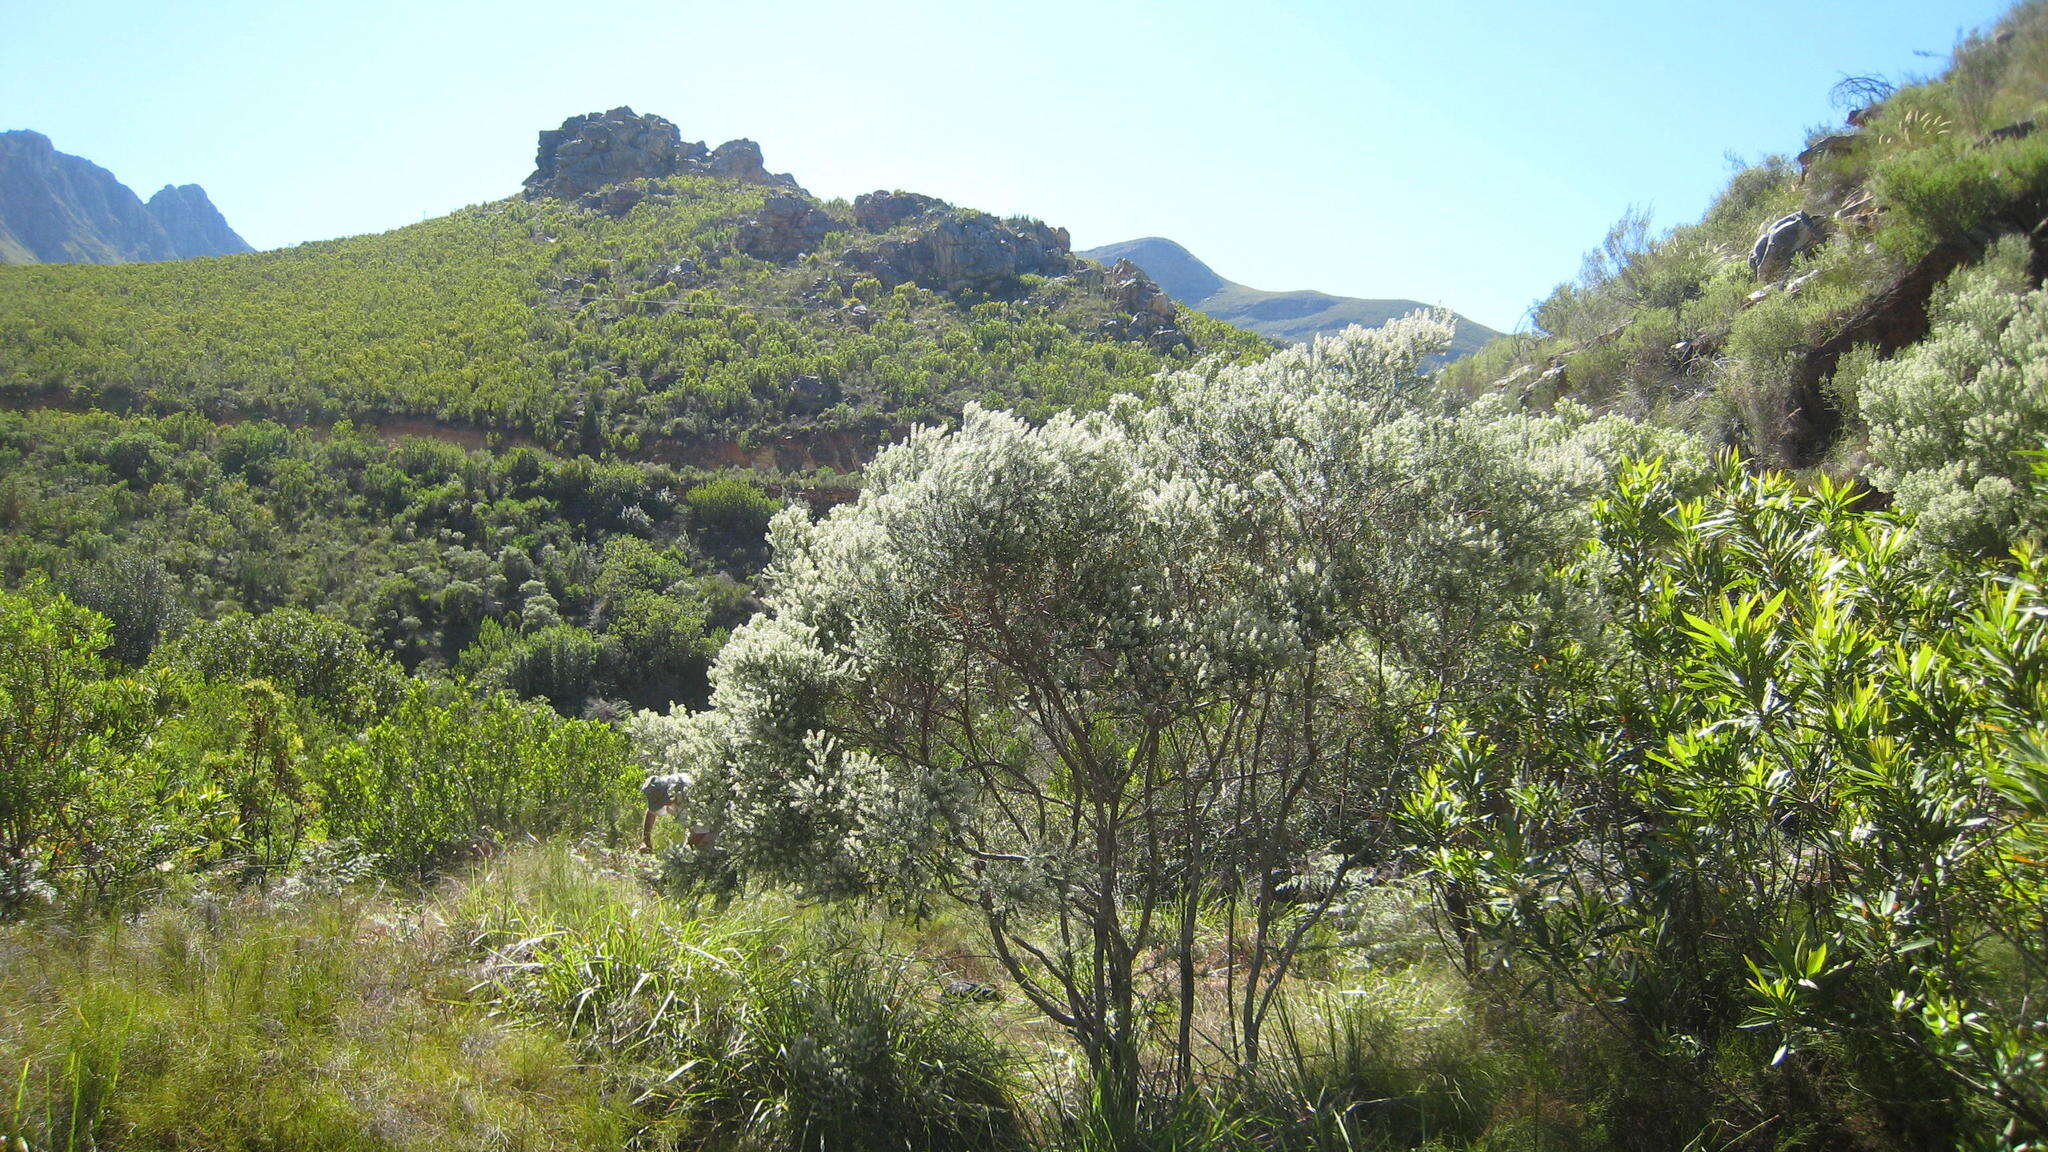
[[1463, 153]]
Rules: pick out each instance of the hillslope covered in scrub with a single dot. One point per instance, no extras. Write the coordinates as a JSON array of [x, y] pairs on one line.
[[1301, 750], [501, 439], [697, 316], [1684, 327]]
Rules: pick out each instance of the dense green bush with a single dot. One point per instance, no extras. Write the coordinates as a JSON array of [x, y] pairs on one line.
[[317, 658], [449, 771], [731, 505], [1773, 843], [51, 711]]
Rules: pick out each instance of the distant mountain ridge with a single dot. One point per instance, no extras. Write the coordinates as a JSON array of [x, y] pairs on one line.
[[1290, 317], [57, 208]]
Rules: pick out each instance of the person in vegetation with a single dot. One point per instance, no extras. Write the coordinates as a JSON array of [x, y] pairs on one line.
[[663, 793]]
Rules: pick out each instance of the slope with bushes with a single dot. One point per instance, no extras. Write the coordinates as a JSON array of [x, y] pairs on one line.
[[1679, 327], [643, 332]]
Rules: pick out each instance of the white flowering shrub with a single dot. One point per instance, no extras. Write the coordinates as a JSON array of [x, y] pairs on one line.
[[1952, 418], [1089, 675]]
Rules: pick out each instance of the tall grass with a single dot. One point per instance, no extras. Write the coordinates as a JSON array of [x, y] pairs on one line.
[[754, 1030], [332, 1024]]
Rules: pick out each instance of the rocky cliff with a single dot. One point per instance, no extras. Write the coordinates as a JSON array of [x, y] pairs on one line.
[[59, 209]]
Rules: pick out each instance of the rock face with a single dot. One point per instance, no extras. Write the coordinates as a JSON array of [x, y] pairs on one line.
[[194, 225], [953, 251], [1782, 241], [592, 153], [787, 226], [61, 209], [1149, 311], [1296, 317], [881, 211]]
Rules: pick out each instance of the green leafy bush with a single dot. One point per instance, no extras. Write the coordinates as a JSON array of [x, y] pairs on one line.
[[731, 505], [450, 770], [316, 658], [1768, 842]]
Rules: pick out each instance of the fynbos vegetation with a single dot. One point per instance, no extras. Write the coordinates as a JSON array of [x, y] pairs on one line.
[[1080, 727]]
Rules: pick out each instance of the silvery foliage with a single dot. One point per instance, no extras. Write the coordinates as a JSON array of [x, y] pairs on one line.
[[1008, 597], [1952, 418]]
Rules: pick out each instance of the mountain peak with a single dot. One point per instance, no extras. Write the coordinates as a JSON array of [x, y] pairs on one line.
[[195, 227], [1171, 266], [1293, 317], [61, 209]]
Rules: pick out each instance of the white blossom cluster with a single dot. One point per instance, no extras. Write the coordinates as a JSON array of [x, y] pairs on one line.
[[1007, 598], [1953, 418]]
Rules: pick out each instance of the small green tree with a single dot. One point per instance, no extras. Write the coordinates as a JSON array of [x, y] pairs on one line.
[[1091, 677], [50, 673], [732, 506]]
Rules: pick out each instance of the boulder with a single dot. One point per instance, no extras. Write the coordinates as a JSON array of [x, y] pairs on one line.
[[1134, 292], [738, 159], [1782, 241], [741, 160], [881, 211], [1148, 313], [810, 395], [589, 152], [2019, 131]]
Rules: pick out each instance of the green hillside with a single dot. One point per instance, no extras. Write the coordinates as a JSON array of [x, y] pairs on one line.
[[1289, 317], [646, 332], [485, 438]]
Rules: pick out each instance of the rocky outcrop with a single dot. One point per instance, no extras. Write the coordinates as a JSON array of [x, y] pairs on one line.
[[61, 209], [592, 153], [787, 226], [954, 251], [1148, 313], [882, 211], [1822, 149]]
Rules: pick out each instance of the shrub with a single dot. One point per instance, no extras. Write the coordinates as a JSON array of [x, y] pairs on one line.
[[314, 657], [1952, 418], [731, 505], [50, 711], [450, 769], [1784, 841]]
